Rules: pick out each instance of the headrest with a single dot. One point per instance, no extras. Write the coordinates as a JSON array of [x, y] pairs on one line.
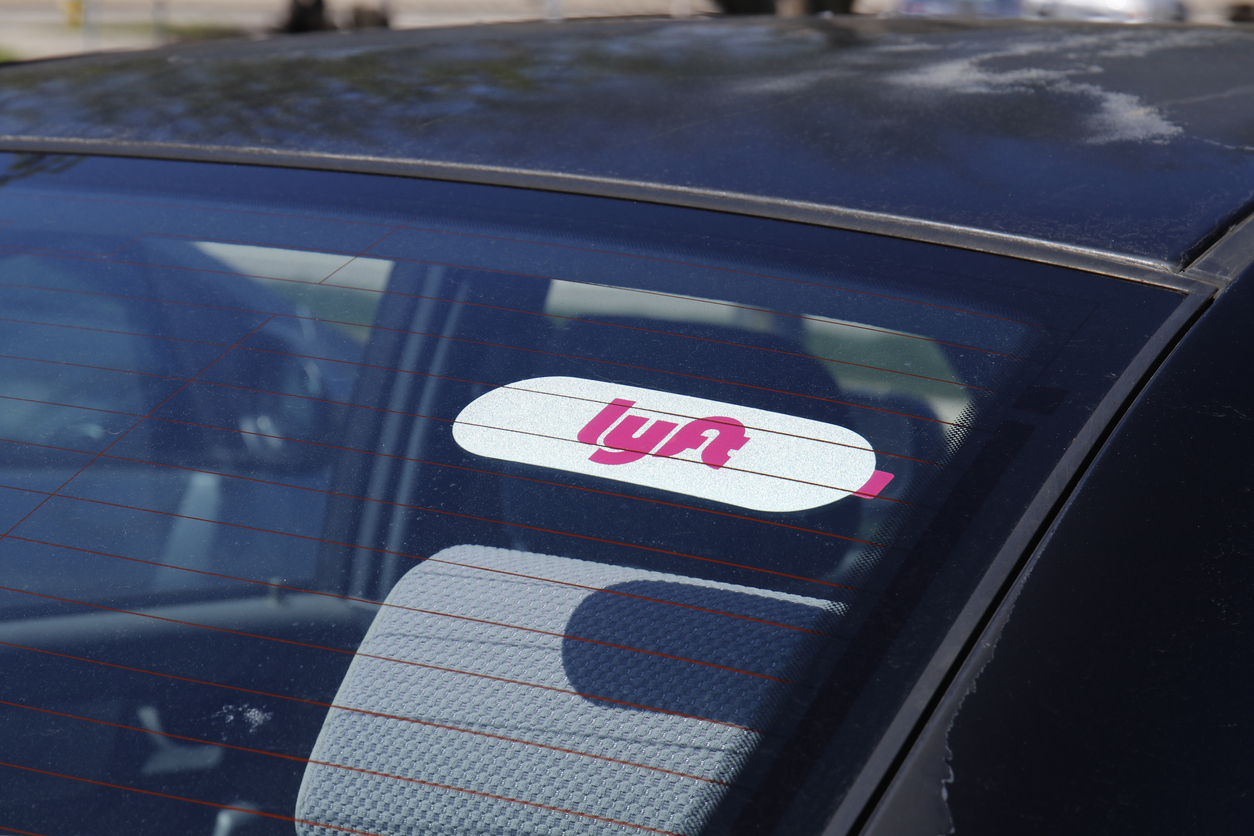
[[504, 692]]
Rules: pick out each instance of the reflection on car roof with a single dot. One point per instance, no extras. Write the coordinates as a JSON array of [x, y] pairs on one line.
[[1084, 135]]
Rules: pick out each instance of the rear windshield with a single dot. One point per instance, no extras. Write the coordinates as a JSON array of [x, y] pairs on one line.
[[351, 504]]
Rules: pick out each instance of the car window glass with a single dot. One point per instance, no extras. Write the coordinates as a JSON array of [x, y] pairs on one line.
[[349, 504]]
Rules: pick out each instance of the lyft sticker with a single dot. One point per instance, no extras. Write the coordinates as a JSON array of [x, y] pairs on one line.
[[765, 461]]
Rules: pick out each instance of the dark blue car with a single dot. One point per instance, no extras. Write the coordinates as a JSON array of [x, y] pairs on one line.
[[703, 427]]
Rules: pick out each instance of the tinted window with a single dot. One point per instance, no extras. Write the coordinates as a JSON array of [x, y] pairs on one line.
[[358, 504]]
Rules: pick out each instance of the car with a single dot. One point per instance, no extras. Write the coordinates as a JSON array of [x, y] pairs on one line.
[[962, 8], [1117, 11], [1138, 11], [715, 426]]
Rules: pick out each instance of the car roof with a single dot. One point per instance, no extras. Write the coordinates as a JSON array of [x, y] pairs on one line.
[[1129, 145]]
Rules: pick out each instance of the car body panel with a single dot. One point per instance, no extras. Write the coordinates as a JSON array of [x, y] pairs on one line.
[[1061, 133], [1117, 669]]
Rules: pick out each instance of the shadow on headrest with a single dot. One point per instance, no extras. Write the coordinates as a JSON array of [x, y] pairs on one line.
[[700, 662]]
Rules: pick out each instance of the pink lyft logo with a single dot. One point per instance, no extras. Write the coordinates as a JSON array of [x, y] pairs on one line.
[[628, 443], [761, 460]]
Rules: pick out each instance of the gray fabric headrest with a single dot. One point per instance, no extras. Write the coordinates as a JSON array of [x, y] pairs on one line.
[[505, 692]]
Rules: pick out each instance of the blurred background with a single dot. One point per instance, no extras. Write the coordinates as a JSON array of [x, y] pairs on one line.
[[44, 28], [40, 28]]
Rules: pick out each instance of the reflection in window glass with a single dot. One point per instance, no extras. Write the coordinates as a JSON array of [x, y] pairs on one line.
[[353, 504]]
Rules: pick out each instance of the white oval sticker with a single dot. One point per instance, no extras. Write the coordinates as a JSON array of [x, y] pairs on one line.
[[765, 461]]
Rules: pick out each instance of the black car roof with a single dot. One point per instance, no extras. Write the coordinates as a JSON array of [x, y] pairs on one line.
[[1132, 141]]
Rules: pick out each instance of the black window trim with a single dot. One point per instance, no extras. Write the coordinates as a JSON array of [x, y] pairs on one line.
[[1093, 260], [1228, 257], [962, 641]]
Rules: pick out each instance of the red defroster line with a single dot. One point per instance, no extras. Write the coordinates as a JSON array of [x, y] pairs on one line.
[[508, 348], [110, 256], [719, 269], [681, 297], [170, 797], [589, 537], [407, 226], [111, 331], [286, 354], [419, 610], [352, 830], [94, 368], [162, 403], [422, 508], [730, 343], [623, 326], [376, 657], [67, 406], [395, 412], [466, 468], [616, 254], [554, 581], [514, 476], [158, 299], [386, 236], [593, 359], [672, 372], [497, 386], [675, 296], [519, 311], [30, 490], [298, 759], [661, 371], [396, 553], [112, 259], [626, 595], [682, 462], [448, 513], [548, 482], [327, 705], [199, 208]]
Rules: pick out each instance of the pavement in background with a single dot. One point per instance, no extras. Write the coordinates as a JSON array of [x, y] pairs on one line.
[[43, 28]]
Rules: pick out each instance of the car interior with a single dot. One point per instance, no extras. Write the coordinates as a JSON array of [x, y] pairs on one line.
[[251, 582]]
